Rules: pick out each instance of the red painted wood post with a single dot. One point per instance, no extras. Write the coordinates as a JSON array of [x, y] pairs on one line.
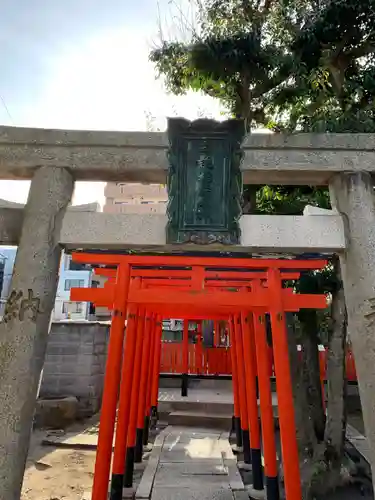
[[266, 408], [289, 448], [131, 440], [149, 381], [196, 349], [156, 369], [143, 388], [236, 417], [185, 359], [111, 386], [252, 400], [242, 388], [118, 467]]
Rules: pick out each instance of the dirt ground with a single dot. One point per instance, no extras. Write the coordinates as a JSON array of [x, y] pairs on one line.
[[62, 473], [57, 473]]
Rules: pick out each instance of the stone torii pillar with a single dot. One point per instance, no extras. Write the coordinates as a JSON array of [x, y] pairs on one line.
[[352, 194], [25, 327]]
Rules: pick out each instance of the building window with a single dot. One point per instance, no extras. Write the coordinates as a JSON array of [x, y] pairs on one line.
[[78, 266], [145, 202], [72, 308], [74, 284]]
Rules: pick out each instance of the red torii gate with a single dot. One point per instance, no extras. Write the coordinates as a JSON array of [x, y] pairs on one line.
[[131, 293], [104, 296]]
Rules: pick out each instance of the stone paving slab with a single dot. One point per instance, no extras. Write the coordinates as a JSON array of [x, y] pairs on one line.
[[182, 456], [359, 442], [241, 495], [185, 475], [234, 476], [198, 447], [191, 433], [194, 469], [72, 440], [145, 486], [178, 440], [187, 465], [193, 493]]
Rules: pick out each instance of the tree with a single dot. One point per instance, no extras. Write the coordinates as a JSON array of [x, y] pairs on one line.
[[230, 58], [291, 65], [333, 87]]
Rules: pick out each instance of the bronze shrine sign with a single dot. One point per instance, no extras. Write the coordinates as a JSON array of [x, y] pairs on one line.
[[204, 181]]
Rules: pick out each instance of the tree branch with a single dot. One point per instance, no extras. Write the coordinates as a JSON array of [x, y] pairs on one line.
[[366, 48], [267, 7], [248, 11], [273, 82]]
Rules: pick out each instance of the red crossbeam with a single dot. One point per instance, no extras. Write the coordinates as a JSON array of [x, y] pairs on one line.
[[220, 262], [239, 300], [227, 274], [164, 297]]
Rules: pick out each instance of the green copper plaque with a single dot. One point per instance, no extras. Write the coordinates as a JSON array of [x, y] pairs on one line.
[[204, 181]]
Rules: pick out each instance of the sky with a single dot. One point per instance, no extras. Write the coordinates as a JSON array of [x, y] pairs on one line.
[[83, 64]]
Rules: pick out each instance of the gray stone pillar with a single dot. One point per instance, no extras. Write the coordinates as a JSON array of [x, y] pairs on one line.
[[24, 330], [353, 196]]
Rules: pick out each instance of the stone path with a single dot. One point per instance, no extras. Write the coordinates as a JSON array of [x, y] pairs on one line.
[[359, 442], [191, 464]]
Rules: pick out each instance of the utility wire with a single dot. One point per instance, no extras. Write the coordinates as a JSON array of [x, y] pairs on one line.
[[6, 109]]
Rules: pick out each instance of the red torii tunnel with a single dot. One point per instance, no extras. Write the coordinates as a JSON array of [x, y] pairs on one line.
[[143, 290]]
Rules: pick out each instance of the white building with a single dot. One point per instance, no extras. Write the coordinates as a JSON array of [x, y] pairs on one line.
[[135, 198], [9, 256], [71, 275]]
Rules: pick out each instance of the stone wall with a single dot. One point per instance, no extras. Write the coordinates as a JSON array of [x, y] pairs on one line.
[[75, 363]]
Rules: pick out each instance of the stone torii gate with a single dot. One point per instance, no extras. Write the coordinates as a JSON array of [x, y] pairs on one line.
[[54, 159]]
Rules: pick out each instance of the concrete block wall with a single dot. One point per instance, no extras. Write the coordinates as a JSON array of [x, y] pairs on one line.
[[75, 363]]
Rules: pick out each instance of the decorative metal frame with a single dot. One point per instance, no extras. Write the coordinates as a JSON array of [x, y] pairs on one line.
[[194, 216]]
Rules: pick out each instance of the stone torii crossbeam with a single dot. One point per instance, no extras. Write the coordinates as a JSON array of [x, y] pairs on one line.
[[54, 159]]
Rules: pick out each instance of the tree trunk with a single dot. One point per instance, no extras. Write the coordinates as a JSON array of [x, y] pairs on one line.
[[304, 424], [327, 462], [336, 372], [249, 197], [311, 369]]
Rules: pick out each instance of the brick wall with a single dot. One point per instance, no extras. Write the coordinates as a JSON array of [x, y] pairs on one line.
[[75, 363]]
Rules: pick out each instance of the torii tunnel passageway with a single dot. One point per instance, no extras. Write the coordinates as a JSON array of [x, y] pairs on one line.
[[141, 291]]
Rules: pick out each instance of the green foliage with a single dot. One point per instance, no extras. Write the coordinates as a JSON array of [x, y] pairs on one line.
[[233, 58], [332, 87], [288, 65], [290, 200]]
